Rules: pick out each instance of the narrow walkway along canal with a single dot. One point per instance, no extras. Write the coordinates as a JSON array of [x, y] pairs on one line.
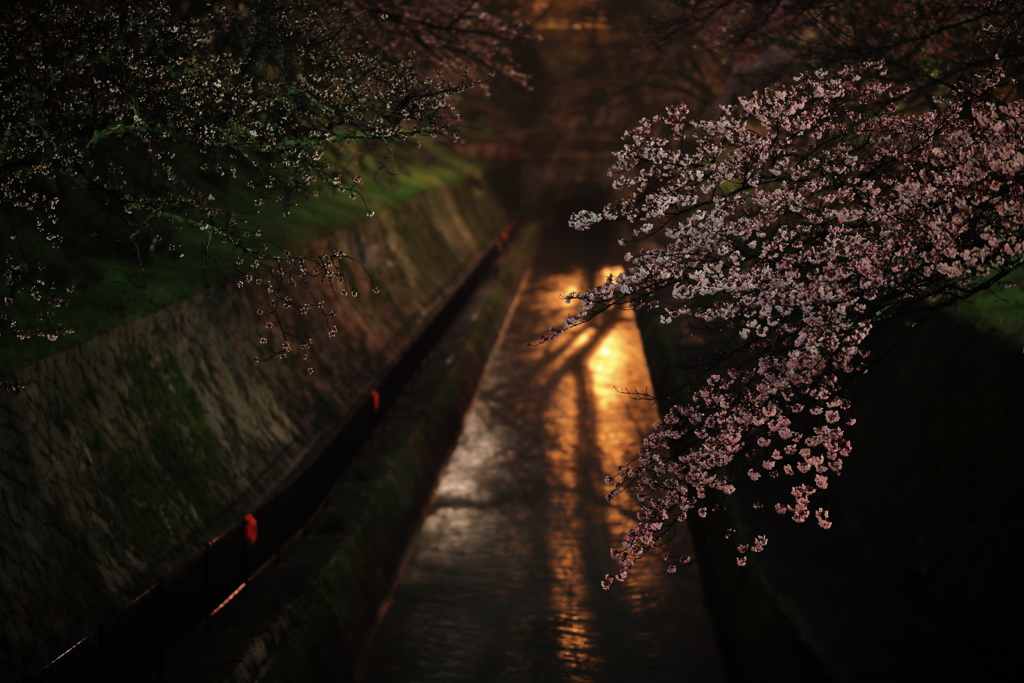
[[503, 581]]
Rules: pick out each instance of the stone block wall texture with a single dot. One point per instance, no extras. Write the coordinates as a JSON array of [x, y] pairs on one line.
[[124, 455]]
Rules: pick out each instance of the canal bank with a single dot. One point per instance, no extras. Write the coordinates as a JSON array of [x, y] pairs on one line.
[[916, 577], [125, 455], [306, 617]]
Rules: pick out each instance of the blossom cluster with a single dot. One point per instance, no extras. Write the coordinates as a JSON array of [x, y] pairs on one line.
[[794, 224], [118, 118]]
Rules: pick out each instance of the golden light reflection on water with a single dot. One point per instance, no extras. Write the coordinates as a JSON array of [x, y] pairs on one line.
[[604, 355], [564, 553]]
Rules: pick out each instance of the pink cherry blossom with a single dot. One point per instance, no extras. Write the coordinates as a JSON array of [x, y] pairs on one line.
[[793, 225]]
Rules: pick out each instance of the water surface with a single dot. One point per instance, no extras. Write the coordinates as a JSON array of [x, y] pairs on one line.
[[503, 581]]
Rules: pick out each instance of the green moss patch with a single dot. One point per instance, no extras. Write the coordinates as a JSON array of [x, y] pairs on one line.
[[117, 282]]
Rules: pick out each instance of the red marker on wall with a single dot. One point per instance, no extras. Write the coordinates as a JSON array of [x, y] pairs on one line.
[[375, 395], [250, 530]]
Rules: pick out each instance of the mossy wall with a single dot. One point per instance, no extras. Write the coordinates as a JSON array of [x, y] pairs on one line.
[[374, 514], [124, 455]]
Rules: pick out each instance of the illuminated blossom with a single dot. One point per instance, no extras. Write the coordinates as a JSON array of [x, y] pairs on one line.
[[793, 225]]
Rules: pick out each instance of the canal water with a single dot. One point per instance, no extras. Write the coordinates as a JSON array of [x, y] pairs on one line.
[[502, 582]]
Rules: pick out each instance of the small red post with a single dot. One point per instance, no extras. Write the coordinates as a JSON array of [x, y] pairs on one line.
[[250, 530], [375, 395], [503, 238]]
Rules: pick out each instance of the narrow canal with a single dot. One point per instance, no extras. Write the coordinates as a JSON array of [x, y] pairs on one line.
[[503, 581]]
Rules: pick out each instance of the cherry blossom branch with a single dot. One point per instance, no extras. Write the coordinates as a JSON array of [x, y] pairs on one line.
[[794, 224]]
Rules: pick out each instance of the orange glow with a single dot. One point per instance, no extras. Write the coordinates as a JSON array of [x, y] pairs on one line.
[[583, 370], [567, 15]]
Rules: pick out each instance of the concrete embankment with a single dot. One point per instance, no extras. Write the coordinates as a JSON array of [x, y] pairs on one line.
[[308, 616], [124, 455], [917, 574]]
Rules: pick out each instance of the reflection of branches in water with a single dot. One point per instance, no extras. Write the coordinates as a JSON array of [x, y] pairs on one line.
[[564, 401]]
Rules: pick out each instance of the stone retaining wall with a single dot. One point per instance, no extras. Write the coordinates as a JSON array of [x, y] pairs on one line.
[[124, 455]]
